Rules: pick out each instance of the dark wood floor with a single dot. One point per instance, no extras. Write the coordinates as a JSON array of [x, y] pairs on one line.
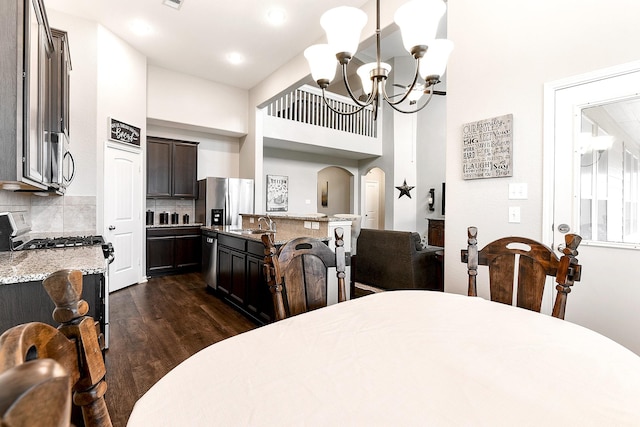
[[154, 327]]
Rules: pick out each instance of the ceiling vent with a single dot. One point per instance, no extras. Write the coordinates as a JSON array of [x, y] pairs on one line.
[[175, 4]]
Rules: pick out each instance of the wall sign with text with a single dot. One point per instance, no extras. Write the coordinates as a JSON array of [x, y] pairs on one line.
[[122, 132], [487, 148]]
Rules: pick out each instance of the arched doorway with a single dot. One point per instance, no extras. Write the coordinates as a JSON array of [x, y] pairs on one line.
[[335, 191]]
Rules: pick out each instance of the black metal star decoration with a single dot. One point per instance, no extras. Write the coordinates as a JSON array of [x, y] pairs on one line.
[[404, 189]]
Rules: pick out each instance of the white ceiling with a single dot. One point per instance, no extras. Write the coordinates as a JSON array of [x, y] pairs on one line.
[[196, 39]]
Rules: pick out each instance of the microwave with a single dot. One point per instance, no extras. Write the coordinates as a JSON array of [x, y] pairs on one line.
[[62, 164]]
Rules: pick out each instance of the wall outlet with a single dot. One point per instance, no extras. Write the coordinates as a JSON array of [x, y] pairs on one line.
[[315, 225], [307, 201], [307, 224], [251, 220]]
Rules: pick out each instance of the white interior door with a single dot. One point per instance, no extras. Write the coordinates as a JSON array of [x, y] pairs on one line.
[[122, 213], [372, 204], [590, 190]]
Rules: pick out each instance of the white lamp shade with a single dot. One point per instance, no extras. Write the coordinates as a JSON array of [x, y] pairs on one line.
[[364, 72], [418, 21], [322, 62], [435, 60], [343, 26]]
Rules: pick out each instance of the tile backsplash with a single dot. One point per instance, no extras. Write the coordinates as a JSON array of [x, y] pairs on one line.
[[180, 206], [57, 214], [69, 214]]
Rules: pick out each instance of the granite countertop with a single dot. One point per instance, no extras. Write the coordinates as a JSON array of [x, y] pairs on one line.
[[301, 217], [280, 237], [195, 224], [37, 264]]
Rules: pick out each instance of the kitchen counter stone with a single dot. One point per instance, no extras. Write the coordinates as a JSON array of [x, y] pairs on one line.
[[37, 264], [196, 224], [279, 237]]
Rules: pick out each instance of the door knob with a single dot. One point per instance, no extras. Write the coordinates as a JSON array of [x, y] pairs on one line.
[[111, 227]]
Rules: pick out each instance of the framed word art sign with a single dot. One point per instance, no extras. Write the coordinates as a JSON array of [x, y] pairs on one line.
[[122, 132], [487, 148]]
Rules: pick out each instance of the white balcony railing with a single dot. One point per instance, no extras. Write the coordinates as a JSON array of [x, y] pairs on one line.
[[306, 105]]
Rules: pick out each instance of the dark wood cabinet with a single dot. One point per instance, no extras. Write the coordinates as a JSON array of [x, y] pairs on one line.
[[241, 278], [171, 168], [435, 233], [173, 250], [25, 48], [29, 302], [59, 80]]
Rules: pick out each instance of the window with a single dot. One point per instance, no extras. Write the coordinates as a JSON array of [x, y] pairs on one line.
[[609, 150]]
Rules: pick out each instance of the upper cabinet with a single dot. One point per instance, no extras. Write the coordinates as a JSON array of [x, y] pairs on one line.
[[59, 79], [25, 48], [34, 89], [171, 168]]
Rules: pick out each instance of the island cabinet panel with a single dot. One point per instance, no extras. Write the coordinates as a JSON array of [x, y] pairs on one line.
[[29, 302], [241, 279], [172, 250], [259, 299]]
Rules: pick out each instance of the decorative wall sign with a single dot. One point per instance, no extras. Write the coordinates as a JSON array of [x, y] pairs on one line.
[[404, 189], [487, 148], [122, 132], [277, 193]]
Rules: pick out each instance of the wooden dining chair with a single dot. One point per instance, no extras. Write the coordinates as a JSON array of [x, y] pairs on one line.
[[35, 394], [74, 346], [531, 262], [297, 273]]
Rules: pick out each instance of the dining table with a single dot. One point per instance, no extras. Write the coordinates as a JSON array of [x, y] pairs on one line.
[[403, 358]]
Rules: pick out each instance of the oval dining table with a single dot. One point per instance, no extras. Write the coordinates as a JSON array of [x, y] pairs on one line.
[[403, 358]]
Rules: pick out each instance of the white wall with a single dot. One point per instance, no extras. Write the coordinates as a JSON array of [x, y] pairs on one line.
[[505, 52], [302, 170], [218, 155], [431, 155], [83, 103], [179, 99]]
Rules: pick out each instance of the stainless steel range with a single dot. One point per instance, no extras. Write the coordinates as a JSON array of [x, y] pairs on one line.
[[13, 232], [61, 242]]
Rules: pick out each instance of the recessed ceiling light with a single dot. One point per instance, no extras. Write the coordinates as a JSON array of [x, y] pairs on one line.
[[175, 4], [140, 27], [235, 58], [276, 16]]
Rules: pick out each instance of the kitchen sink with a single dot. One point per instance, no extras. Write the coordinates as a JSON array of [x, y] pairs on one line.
[[251, 231]]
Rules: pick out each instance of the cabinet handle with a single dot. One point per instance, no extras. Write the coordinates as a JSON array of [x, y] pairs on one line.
[[111, 227]]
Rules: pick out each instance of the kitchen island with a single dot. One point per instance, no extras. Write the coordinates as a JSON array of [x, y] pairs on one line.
[[233, 258], [22, 297]]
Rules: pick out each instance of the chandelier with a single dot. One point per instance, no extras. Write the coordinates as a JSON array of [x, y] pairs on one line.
[[418, 21]]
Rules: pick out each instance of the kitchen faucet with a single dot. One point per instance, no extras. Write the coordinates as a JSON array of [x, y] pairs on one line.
[[268, 221]]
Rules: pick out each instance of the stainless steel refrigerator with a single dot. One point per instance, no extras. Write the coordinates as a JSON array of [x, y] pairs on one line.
[[221, 201]]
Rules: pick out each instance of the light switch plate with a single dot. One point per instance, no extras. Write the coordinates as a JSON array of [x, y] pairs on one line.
[[518, 191], [514, 214]]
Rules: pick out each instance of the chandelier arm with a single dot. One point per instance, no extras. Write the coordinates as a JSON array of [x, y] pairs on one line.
[[413, 111], [350, 92], [407, 91], [359, 107]]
